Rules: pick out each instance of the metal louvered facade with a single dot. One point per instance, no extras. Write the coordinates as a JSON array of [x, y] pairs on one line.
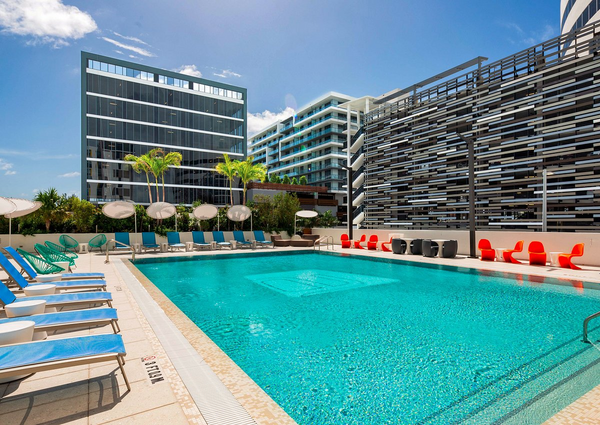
[[538, 109]]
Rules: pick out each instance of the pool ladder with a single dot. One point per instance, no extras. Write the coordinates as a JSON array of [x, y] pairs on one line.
[[325, 239], [585, 326], [122, 244]]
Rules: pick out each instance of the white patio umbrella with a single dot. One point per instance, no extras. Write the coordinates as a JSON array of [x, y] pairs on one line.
[[240, 213], [304, 214], [162, 210], [119, 210], [24, 207], [206, 212]]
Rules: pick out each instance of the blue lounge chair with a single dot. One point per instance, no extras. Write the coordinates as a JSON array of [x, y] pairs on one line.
[[238, 235], [149, 241], [174, 241], [71, 319], [122, 241], [7, 297], [220, 240], [260, 239], [199, 242], [21, 282], [37, 356], [32, 274]]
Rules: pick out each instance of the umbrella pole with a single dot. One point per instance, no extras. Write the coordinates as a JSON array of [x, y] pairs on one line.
[[10, 232], [135, 219], [250, 220], [175, 220]]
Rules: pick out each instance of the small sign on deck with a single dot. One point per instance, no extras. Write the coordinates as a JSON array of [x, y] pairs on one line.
[[153, 371]]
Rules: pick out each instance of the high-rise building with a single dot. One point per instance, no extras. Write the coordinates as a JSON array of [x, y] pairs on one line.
[[129, 108], [533, 120], [310, 143], [575, 14]]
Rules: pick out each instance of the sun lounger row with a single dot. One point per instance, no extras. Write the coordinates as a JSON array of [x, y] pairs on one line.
[[535, 250], [198, 241], [23, 358]]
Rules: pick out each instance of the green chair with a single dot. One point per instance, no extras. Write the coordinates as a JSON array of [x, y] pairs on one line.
[[40, 265], [97, 241], [53, 256], [69, 243], [62, 249]]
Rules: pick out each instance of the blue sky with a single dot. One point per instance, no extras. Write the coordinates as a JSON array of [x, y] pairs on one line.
[[285, 53]]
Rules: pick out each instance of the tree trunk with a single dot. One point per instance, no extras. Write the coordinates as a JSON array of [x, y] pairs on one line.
[[149, 187]]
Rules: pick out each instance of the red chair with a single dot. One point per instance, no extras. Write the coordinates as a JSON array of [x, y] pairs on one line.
[[537, 255], [566, 260], [357, 243], [384, 248], [508, 253], [487, 253], [372, 244], [346, 243]]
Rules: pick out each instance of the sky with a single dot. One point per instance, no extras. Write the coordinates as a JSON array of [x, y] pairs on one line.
[[286, 53]]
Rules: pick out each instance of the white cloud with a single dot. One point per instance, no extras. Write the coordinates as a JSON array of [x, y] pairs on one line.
[[48, 21], [73, 174], [138, 50], [226, 73], [189, 70], [36, 191], [119, 52], [7, 168], [135, 39], [260, 120], [532, 37]]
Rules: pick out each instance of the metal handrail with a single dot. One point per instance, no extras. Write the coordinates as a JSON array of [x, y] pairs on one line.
[[120, 243], [585, 326], [323, 239]]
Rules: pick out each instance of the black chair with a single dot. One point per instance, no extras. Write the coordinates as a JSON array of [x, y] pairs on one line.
[[430, 248], [449, 249], [416, 247], [398, 246]]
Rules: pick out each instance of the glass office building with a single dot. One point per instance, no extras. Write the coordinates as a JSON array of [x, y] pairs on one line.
[[129, 108]]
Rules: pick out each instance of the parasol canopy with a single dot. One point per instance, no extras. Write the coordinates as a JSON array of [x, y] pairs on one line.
[[304, 214], [7, 206], [239, 213], [118, 209], [205, 212], [22, 208], [161, 210]]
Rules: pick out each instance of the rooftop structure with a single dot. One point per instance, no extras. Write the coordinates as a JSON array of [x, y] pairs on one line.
[[530, 112], [129, 108]]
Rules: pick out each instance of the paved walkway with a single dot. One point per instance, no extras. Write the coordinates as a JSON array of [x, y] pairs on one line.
[[215, 391]]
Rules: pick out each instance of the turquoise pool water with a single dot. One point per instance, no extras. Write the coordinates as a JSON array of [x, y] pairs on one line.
[[342, 340]]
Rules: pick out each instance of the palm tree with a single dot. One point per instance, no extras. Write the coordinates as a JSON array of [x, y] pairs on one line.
[[247, 171], [141, 163], [52, 208], [164, 162], [227, 168]]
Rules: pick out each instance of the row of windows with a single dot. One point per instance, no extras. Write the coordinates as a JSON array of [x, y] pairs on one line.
[[568, 8], [586, 15], [154, 114], [106, 192], [162, 96], [182, 176], [103, 149], [162, 79], [142, 133]]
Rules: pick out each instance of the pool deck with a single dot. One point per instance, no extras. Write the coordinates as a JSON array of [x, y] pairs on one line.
[[200, 384]]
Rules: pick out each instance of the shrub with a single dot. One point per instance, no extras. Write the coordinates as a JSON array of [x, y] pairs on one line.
[[303, 180]]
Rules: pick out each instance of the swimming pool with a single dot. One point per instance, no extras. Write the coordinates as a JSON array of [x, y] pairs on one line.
[[342, 339]]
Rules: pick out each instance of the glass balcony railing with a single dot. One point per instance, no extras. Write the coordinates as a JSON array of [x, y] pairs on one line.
[[296, 151]]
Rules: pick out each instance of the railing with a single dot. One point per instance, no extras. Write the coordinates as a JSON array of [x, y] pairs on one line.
[[357, 135], [325, 239], [358, 211], [358, 191], [357, 173], [356, 155], [585, 326], [122, 244]]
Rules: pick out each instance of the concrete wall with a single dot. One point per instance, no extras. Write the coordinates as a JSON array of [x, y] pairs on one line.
[[552, 241]]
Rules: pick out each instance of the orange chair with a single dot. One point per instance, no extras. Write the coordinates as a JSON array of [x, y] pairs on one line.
[[357, 244], [384, 248], [566, 260], [346, 243], [537, 255], [372, 244], [508, 253], [487, 253]]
